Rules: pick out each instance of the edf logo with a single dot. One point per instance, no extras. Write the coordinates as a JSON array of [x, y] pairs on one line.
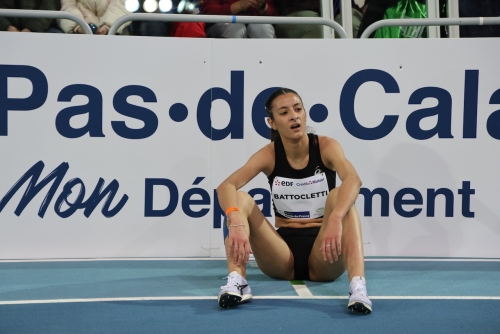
[[282, 183]]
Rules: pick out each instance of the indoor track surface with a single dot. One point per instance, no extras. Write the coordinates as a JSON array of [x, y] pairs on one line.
[[179, 296]]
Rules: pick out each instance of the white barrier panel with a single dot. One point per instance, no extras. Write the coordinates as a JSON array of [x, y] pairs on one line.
[[112, 147]]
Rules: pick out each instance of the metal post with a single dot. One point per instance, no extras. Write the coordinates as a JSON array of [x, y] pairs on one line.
[[346, 10], [433, 13], [454, 31], [327, 13]]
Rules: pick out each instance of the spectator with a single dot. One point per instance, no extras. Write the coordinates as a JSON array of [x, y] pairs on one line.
[[102, 13], [188, 29], [23, 24], [299, 8], [240, 7], [394, 9], [374, 12], [149, 28], [479, 8], [357, 16]]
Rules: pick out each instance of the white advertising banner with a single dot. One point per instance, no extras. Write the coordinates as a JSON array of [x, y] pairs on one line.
[[112, 146]]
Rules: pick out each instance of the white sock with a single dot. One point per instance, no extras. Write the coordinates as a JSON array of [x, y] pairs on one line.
[[234, 273], [358, 278]]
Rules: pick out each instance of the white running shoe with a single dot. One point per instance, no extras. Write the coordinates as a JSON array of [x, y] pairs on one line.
[[236, 291], [358, 297]]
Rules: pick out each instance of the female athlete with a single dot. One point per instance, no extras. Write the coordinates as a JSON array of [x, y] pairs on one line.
[[318, 232]]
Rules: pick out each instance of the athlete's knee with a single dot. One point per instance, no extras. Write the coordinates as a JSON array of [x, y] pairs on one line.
[[243, 197], [325, 276], [327, 273], [245, 201], [333, 196]]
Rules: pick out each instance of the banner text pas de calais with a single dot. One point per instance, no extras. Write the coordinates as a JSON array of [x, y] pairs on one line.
[[178, 112]]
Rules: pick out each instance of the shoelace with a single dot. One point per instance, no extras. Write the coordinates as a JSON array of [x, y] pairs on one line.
[[359, 288], [231, 281]]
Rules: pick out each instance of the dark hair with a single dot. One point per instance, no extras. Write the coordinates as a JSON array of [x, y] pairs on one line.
[[269, 103]]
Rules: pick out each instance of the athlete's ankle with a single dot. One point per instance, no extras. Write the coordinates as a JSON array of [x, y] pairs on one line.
[[240, 271], [358, 278]]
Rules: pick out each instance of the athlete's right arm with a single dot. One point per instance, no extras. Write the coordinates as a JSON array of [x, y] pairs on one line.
[[261, 161]]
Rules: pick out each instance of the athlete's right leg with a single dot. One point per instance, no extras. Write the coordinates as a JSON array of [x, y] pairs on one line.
[[271, 253]]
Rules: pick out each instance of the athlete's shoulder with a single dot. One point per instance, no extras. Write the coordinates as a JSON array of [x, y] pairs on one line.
[[267, 150], [327, 143], [330, 150], [264, 158]]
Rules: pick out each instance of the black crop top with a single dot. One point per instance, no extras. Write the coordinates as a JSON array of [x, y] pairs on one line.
[[315, 166]]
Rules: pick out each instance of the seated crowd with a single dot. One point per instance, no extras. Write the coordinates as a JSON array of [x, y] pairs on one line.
[[101, 14]]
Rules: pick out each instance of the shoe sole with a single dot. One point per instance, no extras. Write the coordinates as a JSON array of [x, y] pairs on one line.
[[227, 300], [246, 298], [360, 307]]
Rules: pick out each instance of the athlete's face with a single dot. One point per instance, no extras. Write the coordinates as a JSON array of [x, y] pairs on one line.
[[289, 116]]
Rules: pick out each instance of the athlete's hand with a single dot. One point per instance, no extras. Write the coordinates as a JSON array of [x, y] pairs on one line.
[[331, 246], [238, 244]]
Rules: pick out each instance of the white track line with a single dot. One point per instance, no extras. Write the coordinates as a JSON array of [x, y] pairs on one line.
[[403, 259], [120, 259], [95, 300], [302, 290], [429, 260], [178, 298]]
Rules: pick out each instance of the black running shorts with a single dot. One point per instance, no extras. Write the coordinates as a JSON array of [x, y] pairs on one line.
[[300, 241]]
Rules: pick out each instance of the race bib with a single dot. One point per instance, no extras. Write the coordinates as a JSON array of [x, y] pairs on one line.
[[300, 198]]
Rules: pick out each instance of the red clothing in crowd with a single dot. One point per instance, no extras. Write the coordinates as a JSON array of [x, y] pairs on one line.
[[223, 7], [188, 29]]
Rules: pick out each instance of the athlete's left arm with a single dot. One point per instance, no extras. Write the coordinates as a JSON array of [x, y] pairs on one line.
[[333, 156]]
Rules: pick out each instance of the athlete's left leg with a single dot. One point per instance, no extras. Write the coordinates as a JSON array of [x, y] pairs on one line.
[[352, 256]]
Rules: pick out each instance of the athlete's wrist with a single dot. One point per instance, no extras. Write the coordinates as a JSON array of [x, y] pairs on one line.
[[233, 218], [231, 209], [335, 218]]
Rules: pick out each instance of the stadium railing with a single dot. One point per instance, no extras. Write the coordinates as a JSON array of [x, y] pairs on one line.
[[452, 21], [430, 22], [226, 19], [48, 14]]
